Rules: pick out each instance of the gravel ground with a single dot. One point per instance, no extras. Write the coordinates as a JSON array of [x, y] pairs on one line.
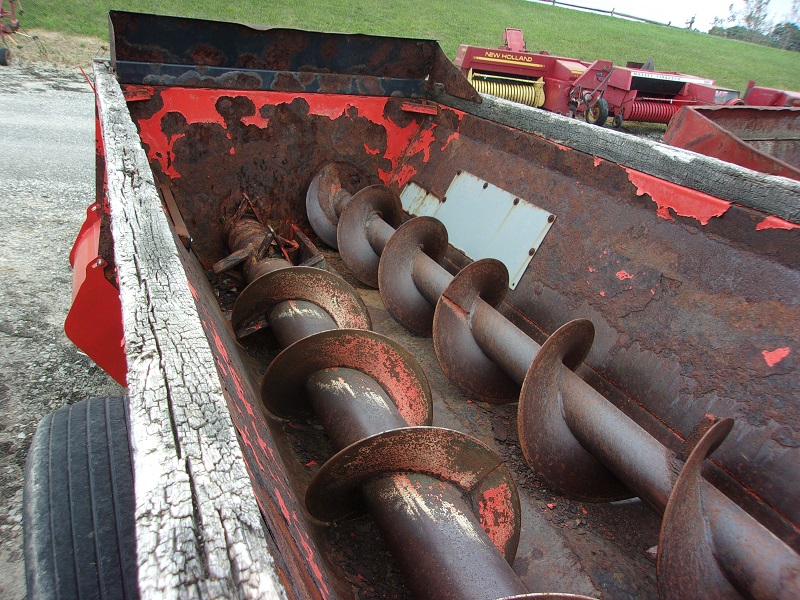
[[46, 183]]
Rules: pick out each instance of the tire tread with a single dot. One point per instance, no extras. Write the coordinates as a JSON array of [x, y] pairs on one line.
[[79, 522]]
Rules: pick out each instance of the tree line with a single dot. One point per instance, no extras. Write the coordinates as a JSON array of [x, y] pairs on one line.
[[752, 24]]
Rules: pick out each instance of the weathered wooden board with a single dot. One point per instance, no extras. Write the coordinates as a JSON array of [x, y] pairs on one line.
[[198, 527], [773, 195]]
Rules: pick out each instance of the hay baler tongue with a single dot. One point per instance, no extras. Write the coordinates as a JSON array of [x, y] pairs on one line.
[[558, 290]]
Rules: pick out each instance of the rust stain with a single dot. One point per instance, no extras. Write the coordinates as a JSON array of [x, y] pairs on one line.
[[623, 275], [251, 428], [685, 202]]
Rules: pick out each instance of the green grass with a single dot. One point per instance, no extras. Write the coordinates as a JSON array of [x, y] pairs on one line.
[[480, 22]]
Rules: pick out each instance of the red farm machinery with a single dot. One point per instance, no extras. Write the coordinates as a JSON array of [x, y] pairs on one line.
[[571, 87]]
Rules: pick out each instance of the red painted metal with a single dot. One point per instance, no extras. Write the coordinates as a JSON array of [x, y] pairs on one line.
[[572, 86], [763, 96], [762, 139], [651, 111], [94, 321], [138, 93]]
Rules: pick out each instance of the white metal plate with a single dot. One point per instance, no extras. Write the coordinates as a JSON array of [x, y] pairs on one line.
[[483, 221]]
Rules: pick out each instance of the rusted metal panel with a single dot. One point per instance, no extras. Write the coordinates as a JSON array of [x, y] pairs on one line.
[[214, 145], [762, 139], [157, 50], [662, 278]]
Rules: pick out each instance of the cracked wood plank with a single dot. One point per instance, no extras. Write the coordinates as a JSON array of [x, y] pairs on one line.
[[770, 194], [199, 529]]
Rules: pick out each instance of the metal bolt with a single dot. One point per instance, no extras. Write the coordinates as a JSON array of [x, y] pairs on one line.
[[532, 251], [551, 218], [485, 185], [516, 201]]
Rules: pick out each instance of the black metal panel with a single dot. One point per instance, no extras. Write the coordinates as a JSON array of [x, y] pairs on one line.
[[231, 47], [257, 79]]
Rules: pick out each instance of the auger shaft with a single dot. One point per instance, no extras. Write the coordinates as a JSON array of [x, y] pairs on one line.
[[598, 434], [633, 455], [434, 534]]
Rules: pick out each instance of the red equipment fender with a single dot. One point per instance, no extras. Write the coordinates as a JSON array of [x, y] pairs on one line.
[[94, 321]]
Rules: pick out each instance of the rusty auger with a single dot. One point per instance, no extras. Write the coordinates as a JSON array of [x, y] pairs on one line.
[[571, 436], [445, 503]]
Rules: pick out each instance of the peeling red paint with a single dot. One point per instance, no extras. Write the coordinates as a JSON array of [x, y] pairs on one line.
[[773, 222], [383, 363], [199, 106], [453, 136], [315, 568], [603, 294], [773, 357], [623, 275], [257, 120], [598, 161], [497, 516], [422, 143], [369, 150], [685, 202], [404, 175], [591, 270]]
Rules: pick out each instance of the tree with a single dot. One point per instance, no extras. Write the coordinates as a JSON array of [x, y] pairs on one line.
[[752, 24], [787, 36], [755, 15]]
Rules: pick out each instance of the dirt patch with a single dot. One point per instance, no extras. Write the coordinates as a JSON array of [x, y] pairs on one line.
[[37, 46]]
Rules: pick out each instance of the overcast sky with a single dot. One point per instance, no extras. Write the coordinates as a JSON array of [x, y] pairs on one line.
[[680, 11]]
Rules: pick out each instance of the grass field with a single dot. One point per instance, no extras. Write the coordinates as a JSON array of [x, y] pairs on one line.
[[479, 22]]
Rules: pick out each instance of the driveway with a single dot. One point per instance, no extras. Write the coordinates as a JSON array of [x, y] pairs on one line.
[[46, 183]]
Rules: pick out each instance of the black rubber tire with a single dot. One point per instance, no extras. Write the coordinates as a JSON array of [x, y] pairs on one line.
[[5, 56], [78, 516], [598, 113], [617, 122]]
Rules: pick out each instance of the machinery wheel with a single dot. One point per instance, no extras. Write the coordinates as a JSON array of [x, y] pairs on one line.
[[78, 519], [5, 56], [598, 112], [617, 122]]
